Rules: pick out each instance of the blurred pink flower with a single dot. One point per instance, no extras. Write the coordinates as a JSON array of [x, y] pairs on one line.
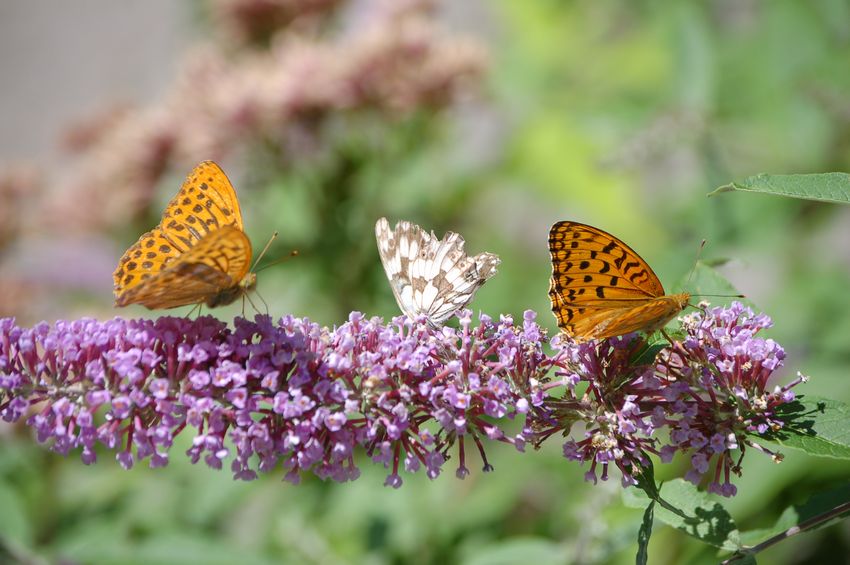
[[257, 21], [395, 61], [20, 187]]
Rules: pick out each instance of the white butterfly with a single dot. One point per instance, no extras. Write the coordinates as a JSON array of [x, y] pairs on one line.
[[430, 276]]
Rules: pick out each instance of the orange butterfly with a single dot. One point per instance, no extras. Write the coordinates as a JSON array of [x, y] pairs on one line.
[[600, 288], [197, 253]]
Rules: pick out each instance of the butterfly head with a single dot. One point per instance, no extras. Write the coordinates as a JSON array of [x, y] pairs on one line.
[[248, 282]]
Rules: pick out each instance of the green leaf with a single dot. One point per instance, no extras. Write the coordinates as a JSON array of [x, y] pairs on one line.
[[815, 425], [647, 353], [825, 187], [698, 514], [682, 506], [708, 282], [646, 480], [643, 535]]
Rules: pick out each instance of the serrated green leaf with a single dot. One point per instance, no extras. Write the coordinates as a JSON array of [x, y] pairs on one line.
[[644, 534], [646, 480], [818, 426], [824, 187], [682, 506]]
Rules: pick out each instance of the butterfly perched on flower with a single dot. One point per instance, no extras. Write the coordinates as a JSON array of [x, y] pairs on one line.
[[429, 276], [601, 288], [198, 253]]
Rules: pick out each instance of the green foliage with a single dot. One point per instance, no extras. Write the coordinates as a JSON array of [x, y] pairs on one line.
[[694, 512], [825, 187], [705, 281], [644, 534], [519, 550], [815, 425], [654, 344]]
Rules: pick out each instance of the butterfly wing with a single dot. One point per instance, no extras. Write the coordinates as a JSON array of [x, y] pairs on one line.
[[205, 204], [600, 287], [145, 258], [217, 263], [427, 275], [648, 316]]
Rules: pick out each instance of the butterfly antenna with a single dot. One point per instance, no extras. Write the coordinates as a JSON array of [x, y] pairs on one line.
[[263, 252], [696, 262], [293, 253]]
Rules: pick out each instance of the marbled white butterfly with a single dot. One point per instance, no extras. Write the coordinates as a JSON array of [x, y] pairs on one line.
[[430, 276]]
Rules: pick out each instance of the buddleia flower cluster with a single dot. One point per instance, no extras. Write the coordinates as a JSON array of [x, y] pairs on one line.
[[705, 395], [294, 397], [263, 395]]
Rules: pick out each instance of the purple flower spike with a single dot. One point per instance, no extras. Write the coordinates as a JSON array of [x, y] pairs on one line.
[[723, 370], [708, 392], [264, 395], [303, 398]]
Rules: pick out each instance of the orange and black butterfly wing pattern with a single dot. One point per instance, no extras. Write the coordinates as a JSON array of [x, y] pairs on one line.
[[143, 260], [205, 204], [216, 264], [600, 287], [647, 316]]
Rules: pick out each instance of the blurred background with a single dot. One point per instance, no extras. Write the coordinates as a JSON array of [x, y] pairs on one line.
[[493, 118]]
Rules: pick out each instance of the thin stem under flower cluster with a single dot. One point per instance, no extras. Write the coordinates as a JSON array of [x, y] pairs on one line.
[[297, 396]]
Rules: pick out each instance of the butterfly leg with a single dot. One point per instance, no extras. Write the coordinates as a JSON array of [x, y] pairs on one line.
[[245, 296], [192, 311], [263, 300]]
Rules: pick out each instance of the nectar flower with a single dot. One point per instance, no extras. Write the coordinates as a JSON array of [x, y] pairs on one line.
[[263, 395], [292, 395], [708, 393]]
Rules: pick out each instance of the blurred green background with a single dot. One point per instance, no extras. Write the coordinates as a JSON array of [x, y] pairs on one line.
[[493, 118]]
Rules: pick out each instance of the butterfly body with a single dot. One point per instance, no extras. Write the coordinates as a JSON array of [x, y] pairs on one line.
[[430, 277], [229, 295], [197, 254], [601, 288]]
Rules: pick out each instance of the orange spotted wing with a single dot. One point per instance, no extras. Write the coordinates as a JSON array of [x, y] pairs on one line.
[[601, 288]]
